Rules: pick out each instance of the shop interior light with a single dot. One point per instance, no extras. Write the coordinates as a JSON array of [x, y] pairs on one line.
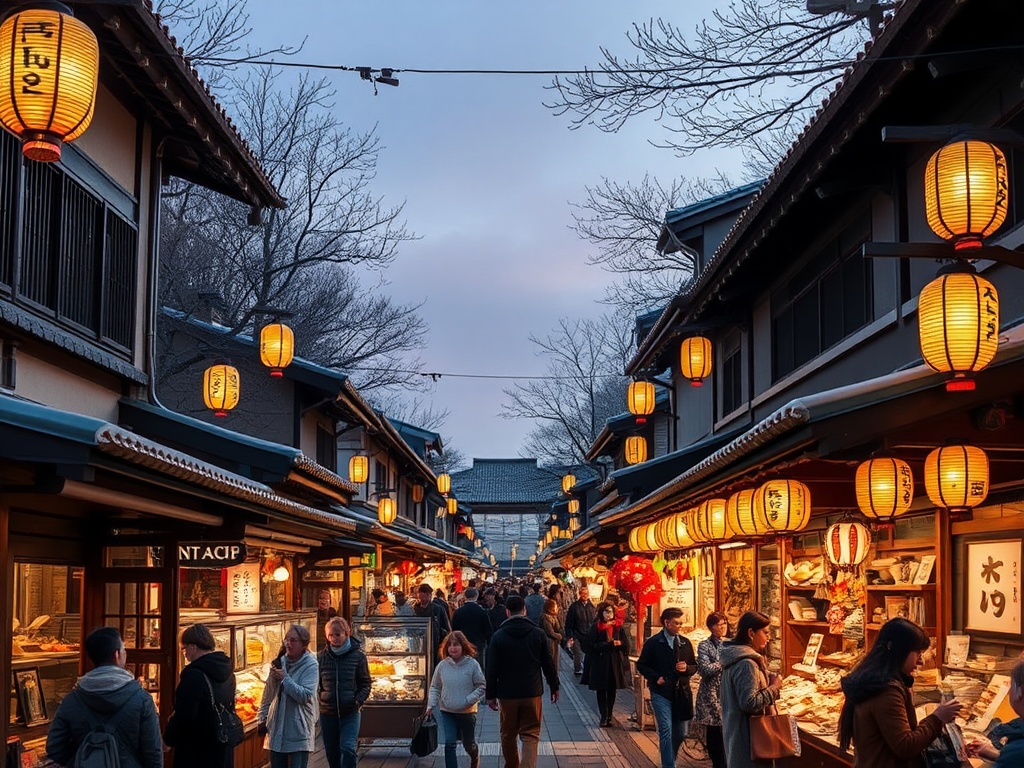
[[281, 573]]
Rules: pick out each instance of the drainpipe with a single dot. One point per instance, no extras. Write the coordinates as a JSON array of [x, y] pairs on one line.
[[153, 278]]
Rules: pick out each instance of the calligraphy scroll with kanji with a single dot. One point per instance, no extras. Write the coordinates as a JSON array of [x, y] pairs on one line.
[[993, 586]]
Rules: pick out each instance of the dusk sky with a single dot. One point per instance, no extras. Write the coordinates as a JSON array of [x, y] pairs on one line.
[[487, 172]]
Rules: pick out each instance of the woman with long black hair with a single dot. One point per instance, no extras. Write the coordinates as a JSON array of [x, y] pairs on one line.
[[878, 715], [604, 669]]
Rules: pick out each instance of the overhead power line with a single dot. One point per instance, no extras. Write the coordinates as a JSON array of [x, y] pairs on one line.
[[438, 375]]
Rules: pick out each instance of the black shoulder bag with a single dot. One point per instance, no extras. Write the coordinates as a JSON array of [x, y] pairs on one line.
[[229, 729]]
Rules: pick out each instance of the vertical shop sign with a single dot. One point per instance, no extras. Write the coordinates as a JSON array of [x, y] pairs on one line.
[[993, 586], [243, 588]]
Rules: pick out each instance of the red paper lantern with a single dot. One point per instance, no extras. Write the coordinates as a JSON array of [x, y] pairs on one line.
[[637, 576]]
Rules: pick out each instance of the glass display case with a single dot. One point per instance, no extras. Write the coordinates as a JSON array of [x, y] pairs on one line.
[[251, 642], [400, 653]]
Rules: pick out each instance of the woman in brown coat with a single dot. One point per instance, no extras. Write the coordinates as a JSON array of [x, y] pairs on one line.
[[878, 714], [552, 626]]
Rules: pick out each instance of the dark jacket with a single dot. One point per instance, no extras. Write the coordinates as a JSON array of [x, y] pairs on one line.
[[604, 667], [99, 696], [579, 618], [344, 680], [498, 615], [657, 659], [472, 620], [191, 731], [517, 656], [441, 625], [535, 606], [886, 733], [745, 692]]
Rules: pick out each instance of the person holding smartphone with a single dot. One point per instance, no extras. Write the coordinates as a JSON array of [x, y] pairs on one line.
[[288, 712], [1007, 747]]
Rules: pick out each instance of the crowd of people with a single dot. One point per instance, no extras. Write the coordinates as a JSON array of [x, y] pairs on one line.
[[499, 644]]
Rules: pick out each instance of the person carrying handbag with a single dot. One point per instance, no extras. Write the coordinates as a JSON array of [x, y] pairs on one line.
[[208, 679], [456, 689]]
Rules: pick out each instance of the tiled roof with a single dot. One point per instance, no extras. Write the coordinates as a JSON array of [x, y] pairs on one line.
[[507, 481]]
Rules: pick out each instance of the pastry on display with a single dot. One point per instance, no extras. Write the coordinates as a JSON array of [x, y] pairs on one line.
[[379, 667]]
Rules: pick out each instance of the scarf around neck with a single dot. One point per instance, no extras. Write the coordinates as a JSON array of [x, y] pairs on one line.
[[608, 628]]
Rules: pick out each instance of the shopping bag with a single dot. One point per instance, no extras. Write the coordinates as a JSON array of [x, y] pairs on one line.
[[773, 737], [424, 736]]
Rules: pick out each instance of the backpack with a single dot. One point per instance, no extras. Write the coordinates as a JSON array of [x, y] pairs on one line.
[[100, 747]]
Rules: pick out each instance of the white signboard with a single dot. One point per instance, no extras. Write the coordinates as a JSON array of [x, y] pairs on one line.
[[993, 586], [243, 595]]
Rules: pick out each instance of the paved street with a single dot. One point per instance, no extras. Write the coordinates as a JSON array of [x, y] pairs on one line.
[[570, 738]]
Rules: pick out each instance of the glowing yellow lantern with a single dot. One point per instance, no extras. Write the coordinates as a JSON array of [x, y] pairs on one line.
[[633, 540], [468, 531], [568, 481], [49, 62], [574, 506], [958, 325], [417, 493], [277, 347], [453, 505], [847, 544], [387, 510], [635, 450], [444, 483], [740, 517], [783, 506], [220, 388], [679, 533], [640, 399], [358, 469], [709, 521], [966, 192], [956, 477], [650, 539], [695, 359], [574, 524], [885, 488]]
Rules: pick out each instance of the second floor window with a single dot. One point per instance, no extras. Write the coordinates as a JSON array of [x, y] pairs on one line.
[[828, 299], [326, 451], [732, 373], [66, 254]]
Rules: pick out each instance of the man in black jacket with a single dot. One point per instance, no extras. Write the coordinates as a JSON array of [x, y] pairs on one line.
[[344, 688], [472, 620], [579, 618], [425, 607], [667, 663], [518, 656], [495, 611]]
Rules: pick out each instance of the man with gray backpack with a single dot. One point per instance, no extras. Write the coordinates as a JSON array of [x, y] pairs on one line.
[[108, 720]]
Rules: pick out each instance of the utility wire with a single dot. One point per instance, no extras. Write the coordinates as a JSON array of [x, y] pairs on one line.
[[437, 375]]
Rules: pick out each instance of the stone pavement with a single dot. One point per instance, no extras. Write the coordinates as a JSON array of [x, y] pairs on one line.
[[570, 737]]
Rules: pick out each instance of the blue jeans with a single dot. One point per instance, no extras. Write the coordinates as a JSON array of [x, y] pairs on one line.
[[671, 732], [456, 726], [340, 737], [280, 759]]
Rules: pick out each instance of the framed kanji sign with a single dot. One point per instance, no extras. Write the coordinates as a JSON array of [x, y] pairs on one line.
[[993, 596]]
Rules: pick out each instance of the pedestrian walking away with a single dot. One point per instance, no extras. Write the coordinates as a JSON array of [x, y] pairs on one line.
[[456, 689], [605, 669], [472, 620], [344, 688], [207, 679], [428, 608], [552, 627], [288, 712], [110, 697], [708, 711], [535, 604], [578, 619], [518, 663], [667, 662]]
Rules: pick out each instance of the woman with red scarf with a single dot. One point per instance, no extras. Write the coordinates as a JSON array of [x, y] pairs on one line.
[[604, 669]]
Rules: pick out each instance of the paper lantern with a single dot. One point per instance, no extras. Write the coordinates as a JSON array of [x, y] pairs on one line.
[[740, 517], [453, 505], [568, 481], [281, 573], [444, 483], [417, 493], [847, 544], [387, 510], [885, 488], [709, 521], [408, 567], [958, 325], [574, 524], [783, 506], [49, 62], [695, 359], [221, 388], [956, 477], [574, 506], [966, 192], [358, 469], [277, 347], [640, 399], [635, 450]]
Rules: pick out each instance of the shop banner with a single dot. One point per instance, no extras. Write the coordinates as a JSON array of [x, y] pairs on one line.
[[210, 554], [243, 588]]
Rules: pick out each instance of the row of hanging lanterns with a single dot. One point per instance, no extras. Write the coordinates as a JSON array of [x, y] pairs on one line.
[[222, 382]]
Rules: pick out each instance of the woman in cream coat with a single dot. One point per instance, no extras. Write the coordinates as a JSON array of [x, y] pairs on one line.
[[289, 710]]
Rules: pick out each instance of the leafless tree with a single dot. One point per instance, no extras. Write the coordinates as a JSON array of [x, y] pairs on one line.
[[583, 386], [755, 67], [623, 221], [301, 259]]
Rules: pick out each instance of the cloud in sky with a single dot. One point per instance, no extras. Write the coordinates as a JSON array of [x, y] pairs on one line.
[[486, 171]]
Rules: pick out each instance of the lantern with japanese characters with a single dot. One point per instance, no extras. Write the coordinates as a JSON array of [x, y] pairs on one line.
[[49, 65], [956, 477], [885, 488], [221, 388], [783, 506], [966, 192], [695, 359], [847, 544], [635, 450]]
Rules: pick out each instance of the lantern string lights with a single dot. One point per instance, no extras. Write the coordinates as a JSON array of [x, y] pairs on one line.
[[740, 517], [49, 65], [695, 359]]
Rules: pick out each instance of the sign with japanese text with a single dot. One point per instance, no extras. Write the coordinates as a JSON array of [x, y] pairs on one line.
[[993, 586], [210, 554], [243, 593]]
